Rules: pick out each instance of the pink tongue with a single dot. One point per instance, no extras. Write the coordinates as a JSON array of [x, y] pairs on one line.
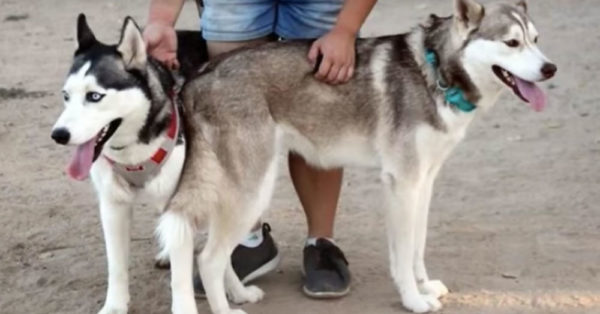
[[80, 165], [533, 94]]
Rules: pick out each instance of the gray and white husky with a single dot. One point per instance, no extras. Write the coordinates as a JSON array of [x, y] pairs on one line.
[[410, 102]]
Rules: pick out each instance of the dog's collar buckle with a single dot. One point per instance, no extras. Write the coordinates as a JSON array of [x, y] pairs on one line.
[[452, 95], [138, 175]]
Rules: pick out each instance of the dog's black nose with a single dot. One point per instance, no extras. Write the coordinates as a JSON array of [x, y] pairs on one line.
[[548, 70], [61, 136]]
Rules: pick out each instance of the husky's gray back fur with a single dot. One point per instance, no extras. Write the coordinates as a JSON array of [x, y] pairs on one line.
[[273, 84], [277, 78]]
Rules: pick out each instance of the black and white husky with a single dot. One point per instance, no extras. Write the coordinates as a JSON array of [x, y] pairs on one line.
[[411, 100], [121, 113]]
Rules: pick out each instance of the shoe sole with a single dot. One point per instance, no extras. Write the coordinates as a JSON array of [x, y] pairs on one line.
[[259, 272], [322, 294], [325, 294]]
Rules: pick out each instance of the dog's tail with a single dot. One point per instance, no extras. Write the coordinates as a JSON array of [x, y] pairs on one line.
[[174, 231]]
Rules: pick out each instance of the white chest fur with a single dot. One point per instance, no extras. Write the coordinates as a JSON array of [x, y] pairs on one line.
[[434, 146]]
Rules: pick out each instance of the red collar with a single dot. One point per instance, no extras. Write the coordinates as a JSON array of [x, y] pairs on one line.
[[138, 175]]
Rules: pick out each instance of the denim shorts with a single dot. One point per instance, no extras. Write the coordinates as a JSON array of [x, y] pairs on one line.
[[239, 20]]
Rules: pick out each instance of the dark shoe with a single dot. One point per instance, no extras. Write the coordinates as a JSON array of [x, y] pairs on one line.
[[326, 273], [249, 263]]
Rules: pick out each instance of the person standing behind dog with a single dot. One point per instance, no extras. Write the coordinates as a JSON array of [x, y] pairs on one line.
[[231, 24]]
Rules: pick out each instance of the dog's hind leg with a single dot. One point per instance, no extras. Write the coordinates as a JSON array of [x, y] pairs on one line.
[[430, 287], [402, 191], [237, 291], [176, 235], [116, 219], [215, 260], [252, 171]]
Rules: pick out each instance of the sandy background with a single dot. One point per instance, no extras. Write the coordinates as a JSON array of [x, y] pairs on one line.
[[514, 225]]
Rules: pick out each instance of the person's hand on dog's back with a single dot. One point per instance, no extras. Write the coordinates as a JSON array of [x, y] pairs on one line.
[[161, 43], [337, 46], [337, 49]]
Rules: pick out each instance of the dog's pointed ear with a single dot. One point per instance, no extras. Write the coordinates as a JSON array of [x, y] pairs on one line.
[[85, 36], [468, 14], [132, 46], [522, 4]]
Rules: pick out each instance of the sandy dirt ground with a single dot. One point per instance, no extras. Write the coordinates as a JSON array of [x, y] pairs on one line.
[[514, 226]]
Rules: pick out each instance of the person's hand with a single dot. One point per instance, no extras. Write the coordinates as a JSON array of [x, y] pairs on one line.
[[337, 49], [161, 42]]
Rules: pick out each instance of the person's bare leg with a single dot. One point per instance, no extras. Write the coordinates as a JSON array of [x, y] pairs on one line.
[[325, 269], [318, 191]]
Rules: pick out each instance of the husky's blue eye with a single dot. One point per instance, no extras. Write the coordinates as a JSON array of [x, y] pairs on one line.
[[93, 97]]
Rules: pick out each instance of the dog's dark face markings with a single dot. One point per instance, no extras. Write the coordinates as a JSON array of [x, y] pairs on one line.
[[106, 65], [107, 62]]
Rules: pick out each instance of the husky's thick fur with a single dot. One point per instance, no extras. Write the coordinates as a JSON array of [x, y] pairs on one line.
[[244, 110]]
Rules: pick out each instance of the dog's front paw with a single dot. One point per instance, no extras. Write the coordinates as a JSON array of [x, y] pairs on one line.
[[421, 303], [184, 304], [110, 309], [250, 294], [434, 288]]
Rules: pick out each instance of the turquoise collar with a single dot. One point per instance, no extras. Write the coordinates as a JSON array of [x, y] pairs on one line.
[[453, 95]]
